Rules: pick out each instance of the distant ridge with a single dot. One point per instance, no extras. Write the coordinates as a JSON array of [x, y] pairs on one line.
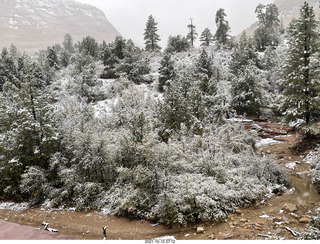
[[35, 24]]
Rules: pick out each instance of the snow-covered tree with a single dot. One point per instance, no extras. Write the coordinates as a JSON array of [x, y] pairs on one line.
[[177, 44], [29, 136], [150, 35], [68, 43], [267, 34], [243, 55], [223, 27], [89, 46], [166, 71], [192, 34], [246, 91], [301, 71], [206, 38]]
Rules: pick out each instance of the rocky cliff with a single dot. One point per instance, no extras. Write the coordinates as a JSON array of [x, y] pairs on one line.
[[35, 24]]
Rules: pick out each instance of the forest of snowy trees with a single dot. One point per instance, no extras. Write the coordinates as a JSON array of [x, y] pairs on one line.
[[149, 134]]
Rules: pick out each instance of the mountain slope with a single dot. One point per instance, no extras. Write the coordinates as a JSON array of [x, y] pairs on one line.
[[35, 24], [288, 9]]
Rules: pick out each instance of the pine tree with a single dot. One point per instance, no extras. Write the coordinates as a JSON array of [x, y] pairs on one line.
[[222, 27], [243, 55], [166, 71], [89, 46], [267, 34], [246, 91], [206, 38], [301, 71], [205, 72], [68, 43], [119, 46], [192, 34], [177, 44], [29, 137], [150, 36]]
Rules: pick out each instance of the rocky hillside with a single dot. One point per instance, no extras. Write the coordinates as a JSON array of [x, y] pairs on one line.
[[288, 9], [35, 24]]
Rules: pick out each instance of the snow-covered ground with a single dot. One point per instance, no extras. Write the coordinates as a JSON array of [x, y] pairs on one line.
[[14, 206], [266, 141]]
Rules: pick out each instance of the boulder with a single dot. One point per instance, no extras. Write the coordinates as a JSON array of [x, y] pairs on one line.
[[256, 127], [278, 218], [290, 207], [304, 220], [200, 230]]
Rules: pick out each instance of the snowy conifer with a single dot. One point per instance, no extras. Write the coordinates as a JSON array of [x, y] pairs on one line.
[[150, 35], [301, 72], [246, 91], [192, 34], [222, 27], [167, 72], [206, 38]]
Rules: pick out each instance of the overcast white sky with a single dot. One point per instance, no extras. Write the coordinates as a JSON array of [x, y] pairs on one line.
[[130, 16]]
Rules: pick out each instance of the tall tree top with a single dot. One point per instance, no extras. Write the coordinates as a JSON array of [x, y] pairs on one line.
[[150, 35], [222, 27]]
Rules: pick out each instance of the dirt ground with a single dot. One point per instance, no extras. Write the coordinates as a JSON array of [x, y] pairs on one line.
[[279, 217]]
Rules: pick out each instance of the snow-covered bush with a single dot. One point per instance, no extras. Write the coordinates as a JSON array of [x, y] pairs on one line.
[[313, 232], [34, 183], [315, 172], [194, 178]]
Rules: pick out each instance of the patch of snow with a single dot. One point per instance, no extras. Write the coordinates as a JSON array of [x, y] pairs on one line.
[[291, 165], [282, 136], [294, 215], [310, 157], [290, 191], [240, 120], [266, 141], [264, 216], [279, 223], [14, 206], [269, 194]]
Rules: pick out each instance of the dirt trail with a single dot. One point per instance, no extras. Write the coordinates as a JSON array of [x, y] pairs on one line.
[[271, 218]]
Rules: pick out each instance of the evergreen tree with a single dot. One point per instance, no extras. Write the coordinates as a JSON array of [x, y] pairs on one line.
[[205, 72], [206, 38], [301, 72], [134, 65], [222, 27], [68, 43], [29, 137], [89, 46], [166, 71], [272, 16], [246, 91], [119, 47], [243, 55], [150, 36], [177, 44], [52, 59], [267, 34], [192, 34]]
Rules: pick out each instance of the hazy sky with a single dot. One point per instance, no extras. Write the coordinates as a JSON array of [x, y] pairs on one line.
[[173, 16]]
